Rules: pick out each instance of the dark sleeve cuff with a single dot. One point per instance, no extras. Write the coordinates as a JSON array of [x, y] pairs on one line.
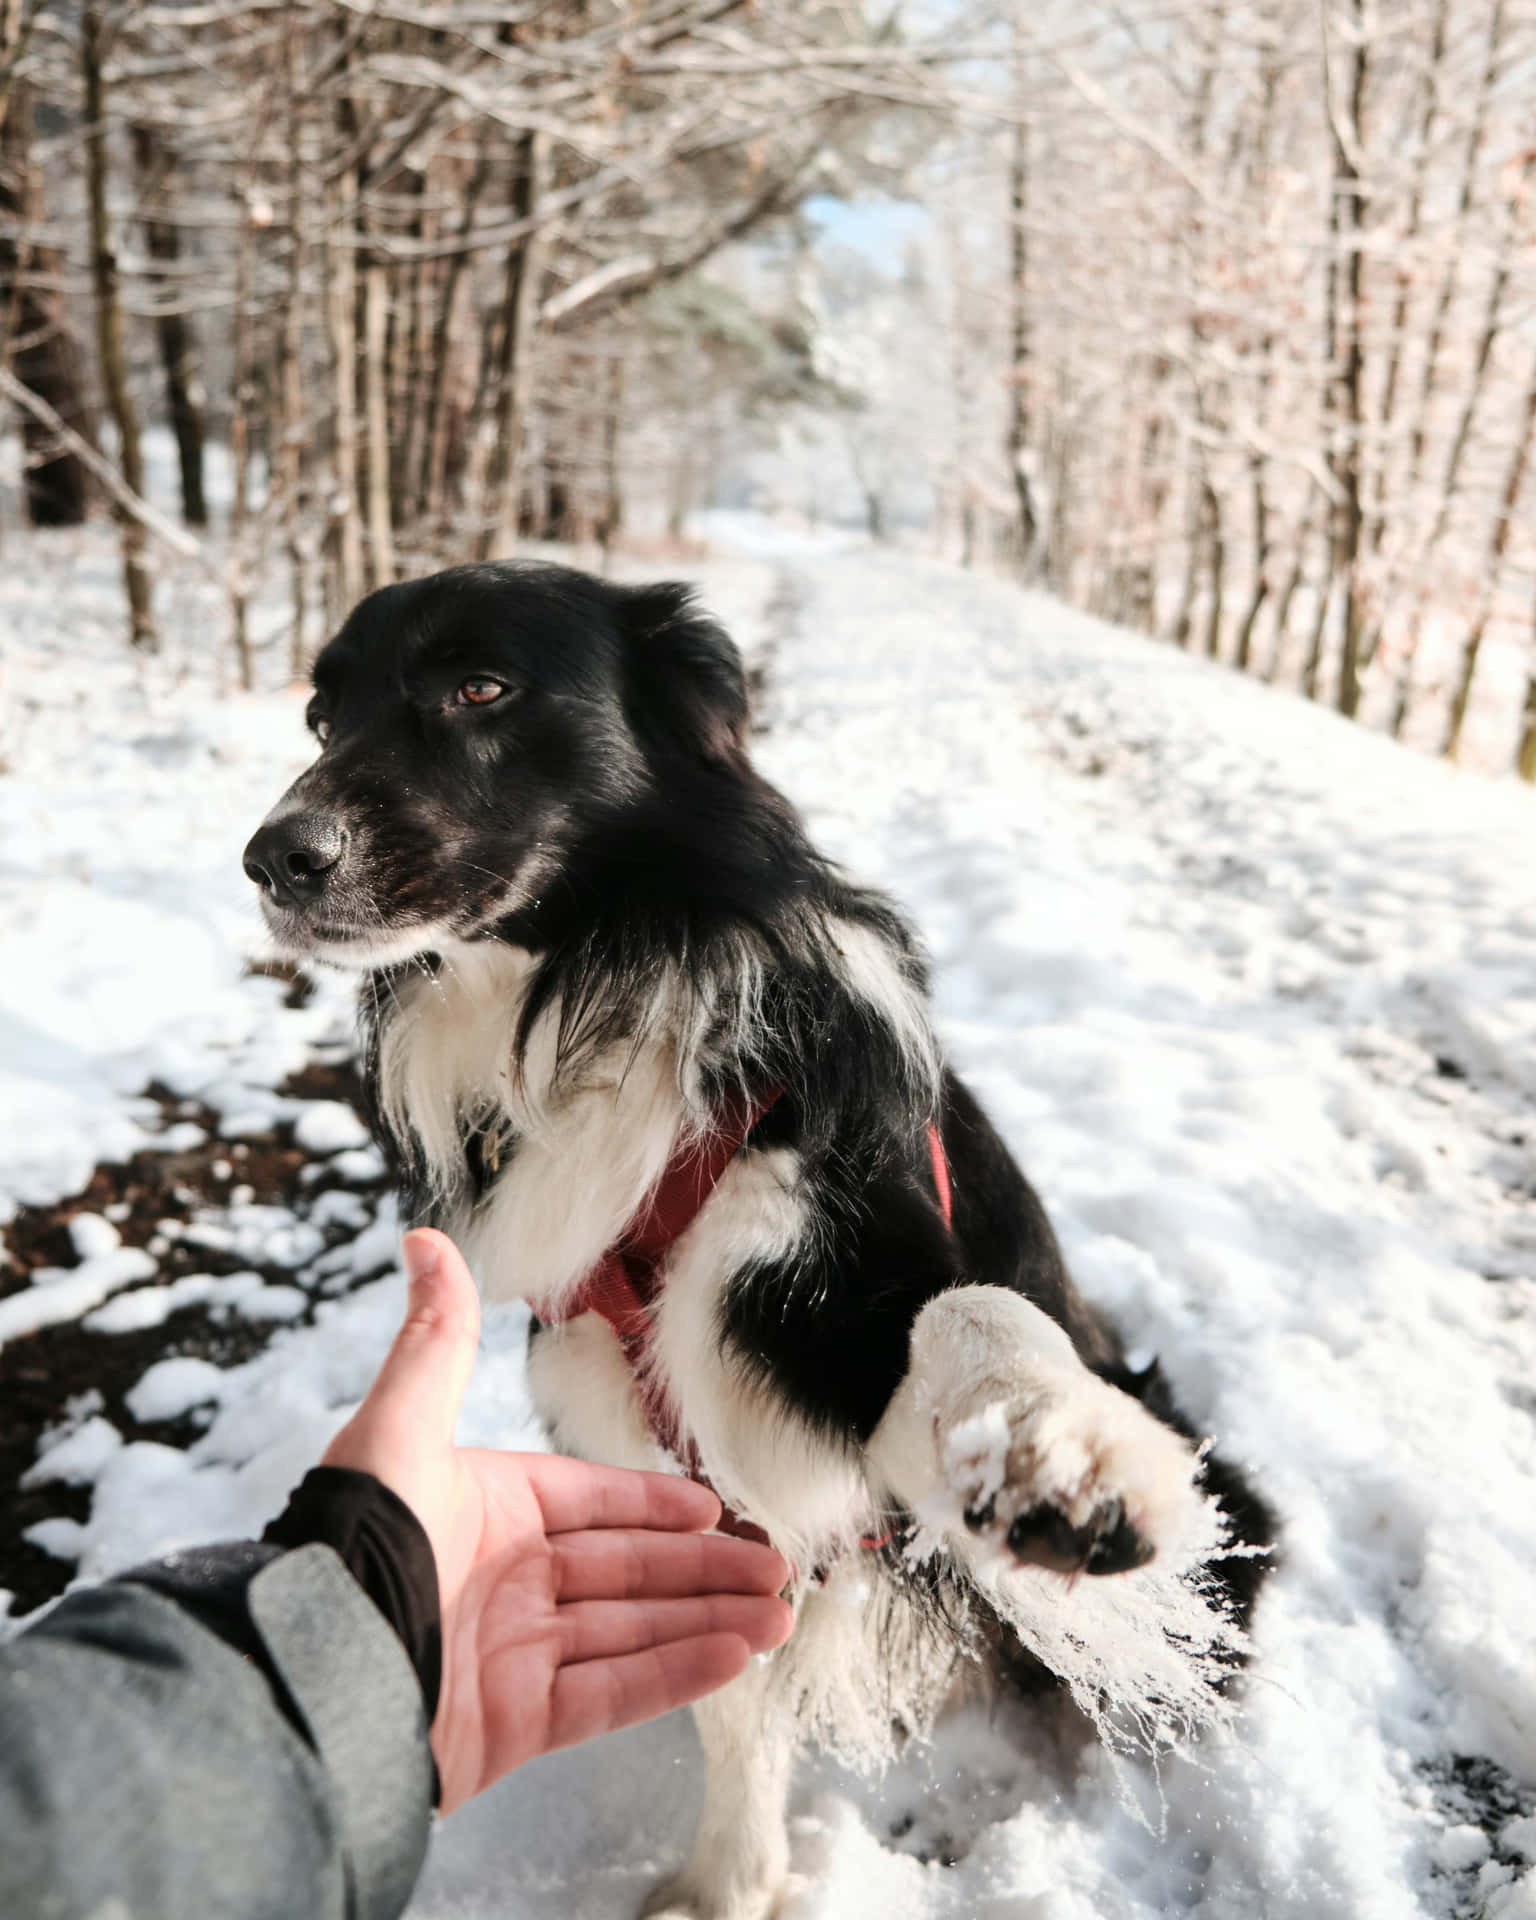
[[384, 1547]]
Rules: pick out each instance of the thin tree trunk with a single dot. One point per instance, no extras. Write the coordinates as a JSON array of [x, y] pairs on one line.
[[525, 274], [1027, 525], [381, 541], [435, 421], [1286, 595], [109, 327], [240, 459], [1198, 527], [1183, 613], [1347, 359], [291, 338], [1459, 229], [1216, 563], [1525, 755], [156, 164], [341, 315], [1498, 546], [611, 520], [408, 354], [1398, 329], [1256, 598], [36, 342]]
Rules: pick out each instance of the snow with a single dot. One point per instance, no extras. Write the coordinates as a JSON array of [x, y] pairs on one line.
[[92, 1235], [359, 1167], [58, 1294], [76, 1457], [1249, 990], [326, 1126], [173, 1387]]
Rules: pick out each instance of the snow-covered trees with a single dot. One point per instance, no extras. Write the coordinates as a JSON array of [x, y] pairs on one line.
[[1221, 325], [379, 246], [1278, 277]]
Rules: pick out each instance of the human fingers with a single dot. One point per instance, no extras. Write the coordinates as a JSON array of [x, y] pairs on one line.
[[601, 1629], [575, 1493], [614, 1563], [420, 1387], [598, 1696]]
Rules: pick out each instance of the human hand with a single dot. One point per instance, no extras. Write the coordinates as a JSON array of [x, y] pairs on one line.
[[575, 1598]]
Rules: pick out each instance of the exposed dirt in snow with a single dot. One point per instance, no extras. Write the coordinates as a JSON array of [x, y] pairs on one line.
[[59, 1376]]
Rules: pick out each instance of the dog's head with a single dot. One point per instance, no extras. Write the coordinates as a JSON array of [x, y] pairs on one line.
[[476, 728]]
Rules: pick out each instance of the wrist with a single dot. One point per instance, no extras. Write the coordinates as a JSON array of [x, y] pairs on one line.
[[383, 1545]]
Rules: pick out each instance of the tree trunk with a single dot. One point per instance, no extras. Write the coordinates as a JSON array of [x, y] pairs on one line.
[[1460, 231], [1498, 546], [1216, 564], [611, 519], [240, 458], [524, 279], [1256, 598], [1191, 247], [1525, 756], [346, 528], [435, 424], [35, 337], [408, 347], [1346, 450], [109, 327], [1286, 595], [381, 537], [1183, 613], [290, 462], [1027, 524], [156, 164], [1398, 330]]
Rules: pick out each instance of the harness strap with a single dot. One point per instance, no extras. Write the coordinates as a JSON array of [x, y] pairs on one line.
[[624, 1284]]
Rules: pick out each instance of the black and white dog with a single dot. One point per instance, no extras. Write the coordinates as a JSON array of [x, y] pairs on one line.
[[595, 942]]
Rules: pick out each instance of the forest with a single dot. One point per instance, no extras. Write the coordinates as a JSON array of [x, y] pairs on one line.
[[1216, 320]]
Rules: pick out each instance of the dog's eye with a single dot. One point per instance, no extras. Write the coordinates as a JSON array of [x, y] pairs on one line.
[[480, 691], [318, 725]]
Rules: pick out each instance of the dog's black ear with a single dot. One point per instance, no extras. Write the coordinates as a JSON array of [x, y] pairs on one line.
[[684, 688]]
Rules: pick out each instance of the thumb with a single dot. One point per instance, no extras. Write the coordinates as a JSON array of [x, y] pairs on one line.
[[421, 1385]]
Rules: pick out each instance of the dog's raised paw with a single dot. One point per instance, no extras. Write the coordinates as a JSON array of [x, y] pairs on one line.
[[1072, 1475]]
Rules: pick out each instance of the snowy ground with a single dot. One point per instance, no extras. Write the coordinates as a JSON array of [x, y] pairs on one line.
[[1251, 992]]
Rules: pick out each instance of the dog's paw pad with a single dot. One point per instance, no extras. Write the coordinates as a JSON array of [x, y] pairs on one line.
[[1108, 1542], [1079, 1480]]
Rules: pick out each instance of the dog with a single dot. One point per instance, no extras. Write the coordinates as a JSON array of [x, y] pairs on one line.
[[670, 1076]]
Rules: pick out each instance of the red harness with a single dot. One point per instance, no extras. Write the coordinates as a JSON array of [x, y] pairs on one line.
[[624, 1285]]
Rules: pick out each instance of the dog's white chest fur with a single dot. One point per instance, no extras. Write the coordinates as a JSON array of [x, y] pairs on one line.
[[584, 1151]]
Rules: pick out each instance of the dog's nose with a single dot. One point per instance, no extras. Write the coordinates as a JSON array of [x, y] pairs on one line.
[[291, 858]]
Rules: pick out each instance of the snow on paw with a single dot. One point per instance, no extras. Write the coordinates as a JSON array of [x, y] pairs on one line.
[[1073, 1475]]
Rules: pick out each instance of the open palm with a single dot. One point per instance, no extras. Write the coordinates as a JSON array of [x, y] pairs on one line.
[[575, 1598]]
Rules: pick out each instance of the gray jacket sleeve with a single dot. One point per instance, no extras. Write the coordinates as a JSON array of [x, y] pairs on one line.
[[151, 1771]]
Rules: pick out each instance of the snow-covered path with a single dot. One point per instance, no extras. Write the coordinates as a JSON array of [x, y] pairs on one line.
[[1252, 994]]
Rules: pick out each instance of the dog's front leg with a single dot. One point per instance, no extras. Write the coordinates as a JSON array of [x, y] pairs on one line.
[[1002, 1439], [740, 1860]]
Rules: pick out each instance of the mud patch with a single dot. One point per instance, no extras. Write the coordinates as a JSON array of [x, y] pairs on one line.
[[190, 1206]]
